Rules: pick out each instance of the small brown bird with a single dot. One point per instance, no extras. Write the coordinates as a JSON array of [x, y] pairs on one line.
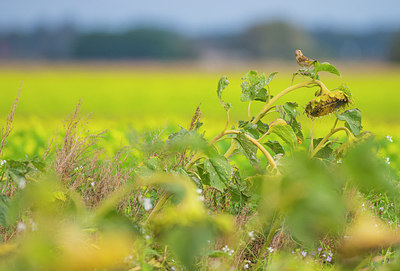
[[302, 60]]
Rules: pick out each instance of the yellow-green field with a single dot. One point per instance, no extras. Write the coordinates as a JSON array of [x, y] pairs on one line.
[[120, 96]]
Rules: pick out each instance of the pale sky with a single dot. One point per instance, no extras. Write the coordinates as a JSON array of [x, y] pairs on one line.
[[201, 16]]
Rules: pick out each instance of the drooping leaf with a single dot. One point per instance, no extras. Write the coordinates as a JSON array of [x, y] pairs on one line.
[[222, 84], [247, 148], [275, 146], [218, 172], [284, 131], [271, 76], [352, 117], [326, 67]]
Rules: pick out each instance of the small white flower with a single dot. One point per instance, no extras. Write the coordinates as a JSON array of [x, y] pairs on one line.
[[173, 268], [22, 183], [92, 184], [246, 266], [388, 160], [199, 191], [389, 138], [251, 235], [33, 225], [147, 204], [303, 253], [339, 161], [147, 237], [2, 162], [381, 209], [270, 249], [329, 259], [21, 226]]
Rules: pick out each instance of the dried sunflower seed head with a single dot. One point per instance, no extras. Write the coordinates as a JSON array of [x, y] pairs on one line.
[[327, 103]]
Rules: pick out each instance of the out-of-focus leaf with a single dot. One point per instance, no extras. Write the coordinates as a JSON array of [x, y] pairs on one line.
[[309, 197], [185, 139], [352, 117], [189, 242], [326, 67], [284, 131], [248, 148], [275, 146], [219, 172], [222, 84], [369, 172]]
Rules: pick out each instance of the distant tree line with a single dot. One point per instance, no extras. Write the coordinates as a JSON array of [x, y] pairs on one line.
[[275, 40]]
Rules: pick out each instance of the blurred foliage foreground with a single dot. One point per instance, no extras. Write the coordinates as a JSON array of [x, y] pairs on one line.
[[257, 196]]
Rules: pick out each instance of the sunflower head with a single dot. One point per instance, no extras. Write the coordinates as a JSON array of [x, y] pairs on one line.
[[327, 103]]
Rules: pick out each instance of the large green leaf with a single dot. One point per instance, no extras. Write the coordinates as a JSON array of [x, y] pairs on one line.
[[222, 84], [248, 148], [326, 67], [352, 117], [284, 131], [218, 172]]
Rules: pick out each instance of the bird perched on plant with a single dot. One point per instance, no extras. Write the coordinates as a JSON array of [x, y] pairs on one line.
[[302, 60]]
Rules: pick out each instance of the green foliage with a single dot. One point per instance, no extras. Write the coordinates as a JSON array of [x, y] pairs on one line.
[[217, 172], [254, 86], [352, 117], [179, 201], [222, 84], [326, 67]]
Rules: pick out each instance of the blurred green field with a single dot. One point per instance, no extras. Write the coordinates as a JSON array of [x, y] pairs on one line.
[[143, 97]]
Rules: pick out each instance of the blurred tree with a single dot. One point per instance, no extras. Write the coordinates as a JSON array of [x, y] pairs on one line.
[[274, 40], [143, 43], [395, 48]]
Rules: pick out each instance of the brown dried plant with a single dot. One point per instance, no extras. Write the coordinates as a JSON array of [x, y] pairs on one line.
[[6, 130]]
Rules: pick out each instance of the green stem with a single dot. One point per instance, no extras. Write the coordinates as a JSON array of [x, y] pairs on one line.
[[267, 107], [332, 132], [249, 111], [258, 145], [266, 245], [231, 149], [164, 198]]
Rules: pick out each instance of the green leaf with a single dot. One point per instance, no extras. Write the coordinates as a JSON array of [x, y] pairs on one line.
[[222, 84], [248, 148], [288, 112], [270, 77], [326, 67], [352, 117], [325, 152], [284, 131], [4, 203], [218, 171], [253, 87], [275, 146], [250, 128]]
